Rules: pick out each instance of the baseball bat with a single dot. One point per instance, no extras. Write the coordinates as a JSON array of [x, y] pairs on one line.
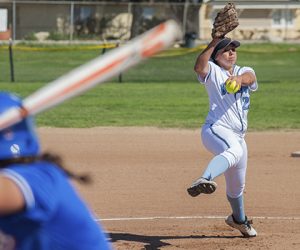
[[95, 72]]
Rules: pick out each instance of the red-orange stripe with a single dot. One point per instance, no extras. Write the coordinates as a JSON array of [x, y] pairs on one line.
[[155, 33], [152, 50]]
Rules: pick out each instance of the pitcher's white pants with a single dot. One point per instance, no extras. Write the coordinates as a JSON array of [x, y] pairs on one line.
[[223, 141]]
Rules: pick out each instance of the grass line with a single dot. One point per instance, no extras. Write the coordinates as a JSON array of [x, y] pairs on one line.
[[177, 105]]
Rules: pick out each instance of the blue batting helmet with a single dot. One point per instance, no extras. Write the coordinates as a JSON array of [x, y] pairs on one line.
[[19, 140]]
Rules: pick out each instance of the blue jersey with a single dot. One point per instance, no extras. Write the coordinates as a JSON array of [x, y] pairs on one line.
[[54, 216]]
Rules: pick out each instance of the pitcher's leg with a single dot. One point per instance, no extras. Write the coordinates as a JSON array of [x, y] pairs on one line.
[[235, 184], [237, 206], [224, 144]]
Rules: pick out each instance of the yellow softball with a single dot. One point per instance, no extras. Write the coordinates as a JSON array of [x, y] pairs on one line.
[[232, 86]]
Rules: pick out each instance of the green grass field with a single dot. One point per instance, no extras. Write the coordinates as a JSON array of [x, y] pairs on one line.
[[162, 92]]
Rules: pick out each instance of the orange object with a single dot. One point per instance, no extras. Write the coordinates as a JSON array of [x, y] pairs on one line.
[[5, 35]]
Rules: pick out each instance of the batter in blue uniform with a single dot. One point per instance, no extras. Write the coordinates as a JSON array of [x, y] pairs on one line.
[[39, 208], [225, 126]]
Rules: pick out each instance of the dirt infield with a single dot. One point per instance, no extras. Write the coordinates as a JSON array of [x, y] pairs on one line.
[[140, 180]]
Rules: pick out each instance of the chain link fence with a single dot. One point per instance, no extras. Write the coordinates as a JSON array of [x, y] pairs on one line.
[[46, 20], [120, 21], [109, 24]]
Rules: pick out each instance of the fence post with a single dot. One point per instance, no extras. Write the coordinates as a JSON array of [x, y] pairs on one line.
[[14, 16], [103, 51], [185, 11], [71, 21], [120, 75], [11, 61]]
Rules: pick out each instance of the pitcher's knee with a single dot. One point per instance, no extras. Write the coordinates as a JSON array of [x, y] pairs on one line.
[[233, 155]]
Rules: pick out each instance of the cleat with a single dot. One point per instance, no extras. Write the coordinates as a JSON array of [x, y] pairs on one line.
[[202, 186], [245, 228]]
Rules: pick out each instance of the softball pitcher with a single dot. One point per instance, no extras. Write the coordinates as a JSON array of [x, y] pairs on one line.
[[225, 126]]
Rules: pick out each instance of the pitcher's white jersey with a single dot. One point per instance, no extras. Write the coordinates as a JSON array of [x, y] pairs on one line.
[[228, 110]]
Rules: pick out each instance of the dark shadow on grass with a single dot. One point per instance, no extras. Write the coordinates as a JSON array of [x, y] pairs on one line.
[[155, 242]]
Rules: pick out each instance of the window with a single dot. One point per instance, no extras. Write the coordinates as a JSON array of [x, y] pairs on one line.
[[282, 18], [3, 20]]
